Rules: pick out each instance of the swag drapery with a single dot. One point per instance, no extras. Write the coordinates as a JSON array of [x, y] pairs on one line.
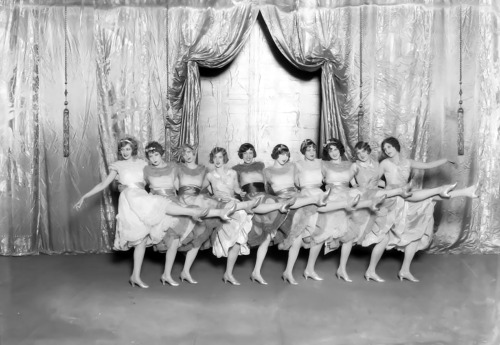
[[121, 80]]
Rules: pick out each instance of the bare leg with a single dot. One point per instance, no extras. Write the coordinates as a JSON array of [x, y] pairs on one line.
[[268, 207], [293, 252], [469, 192], [311, 262], [261, 254], [377, 252], [410, 251], [169, 262], [344, 255], [190, 256], [232, 255], [139, 251]]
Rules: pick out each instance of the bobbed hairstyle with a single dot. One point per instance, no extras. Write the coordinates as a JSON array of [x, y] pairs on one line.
[[326, 148], [127, 140], [154, 146], [307, 143], [363, 145], [244, 148], [279, 150], [183, 148], [391, 141], [217, 150]]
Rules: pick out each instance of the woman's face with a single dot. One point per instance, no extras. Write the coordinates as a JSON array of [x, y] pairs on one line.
[[334, 153], [248, 156], [310, 153], [126, 151], [188, 155], [155, 158], [282, 159], [390, 150], [362, 155], [218, 159]]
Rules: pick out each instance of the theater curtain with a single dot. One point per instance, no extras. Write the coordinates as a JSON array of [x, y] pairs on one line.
[[410, 90], [200, 37]]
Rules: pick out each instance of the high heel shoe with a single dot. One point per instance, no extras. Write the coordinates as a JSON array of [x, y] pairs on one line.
[[286, 206], [289, 279], [258, 279], [323, 200], [374, 277], [168, 281], [353, 203], [203, 213], [229, 211], [140, 284], [376, 205], [446, 192], [343, 275], [228, 279], [313, 276], [407, 276], [187, 277]]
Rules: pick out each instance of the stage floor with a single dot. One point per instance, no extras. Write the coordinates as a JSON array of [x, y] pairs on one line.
[[85, 299]]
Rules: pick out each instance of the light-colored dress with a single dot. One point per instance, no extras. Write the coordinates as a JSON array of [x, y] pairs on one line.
[[141, 216], [340, 225], [161, 182], [234, 231], [262, 224], [409, 221]]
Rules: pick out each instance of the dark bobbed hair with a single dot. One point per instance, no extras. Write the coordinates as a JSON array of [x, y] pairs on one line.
[[279, 150], [391, 141], [244, 148], [217, 150], [154, 146], [330, 143], [183, 148], [307, 143], [128, 140], [363, 145]]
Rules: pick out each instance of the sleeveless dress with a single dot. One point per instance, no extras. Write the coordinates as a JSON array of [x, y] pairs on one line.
[[408, 221], [340, 225], [234, 231], [161, 182], [367, 177], [190, 194], [282, 183], [262, 224], [140, 215]]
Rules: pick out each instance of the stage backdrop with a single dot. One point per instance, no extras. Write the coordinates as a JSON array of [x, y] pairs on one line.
[[272, 72]]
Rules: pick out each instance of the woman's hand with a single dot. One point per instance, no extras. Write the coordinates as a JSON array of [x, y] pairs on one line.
[[79, 204]]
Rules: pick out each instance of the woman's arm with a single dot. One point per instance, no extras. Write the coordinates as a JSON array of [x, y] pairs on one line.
[[98, 188], [429, 165]]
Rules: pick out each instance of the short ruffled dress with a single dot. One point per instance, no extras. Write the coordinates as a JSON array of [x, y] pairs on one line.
[[409, 221], [296, 224], [161, 182], [236, 230], [141, 216], [338, 226], [191, 195], [262, 224]]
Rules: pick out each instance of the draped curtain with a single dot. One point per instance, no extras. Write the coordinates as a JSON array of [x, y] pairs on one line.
[[134, 70]]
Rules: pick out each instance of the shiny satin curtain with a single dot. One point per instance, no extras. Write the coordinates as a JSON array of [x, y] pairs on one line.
[[200, 36], [410, 91]]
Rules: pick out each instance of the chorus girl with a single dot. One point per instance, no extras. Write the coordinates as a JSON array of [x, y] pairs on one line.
[[142, 218], [342, 226], [192, 180], [269, 215], [283, 178], [230, 240], [412, 223]]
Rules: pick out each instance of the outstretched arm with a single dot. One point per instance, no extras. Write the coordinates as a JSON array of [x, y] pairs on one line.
[[429, 165], [98, 188]]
